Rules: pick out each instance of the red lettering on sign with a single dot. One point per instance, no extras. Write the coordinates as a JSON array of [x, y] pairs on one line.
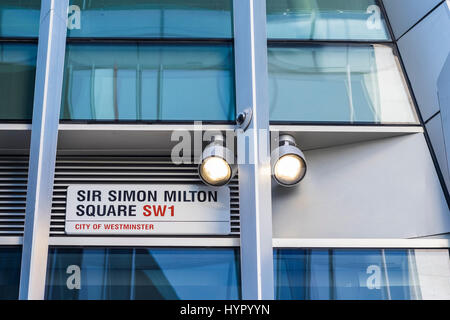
[[158, 211], [147, 210]]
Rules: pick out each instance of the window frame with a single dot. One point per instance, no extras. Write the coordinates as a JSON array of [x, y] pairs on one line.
[[386, 24], [214, 42], [184, 243], [350, 44], [390, 42]]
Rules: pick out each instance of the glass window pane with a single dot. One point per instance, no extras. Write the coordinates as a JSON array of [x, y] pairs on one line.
[[326, 20], [149, 82], [19, 18], [151, 18], [127, 80], [170, 273], [290, 274], [302, 274], [337, 83], [355, 274], [358, 274], [17, 73], [10, 260], [403, 284]]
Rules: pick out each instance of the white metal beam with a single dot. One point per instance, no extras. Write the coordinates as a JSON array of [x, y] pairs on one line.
[[361, 243], [44, 135], [254, 149], [144, 242]]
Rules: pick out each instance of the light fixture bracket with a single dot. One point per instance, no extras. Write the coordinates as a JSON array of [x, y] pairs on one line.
[[217, 149], [287, 146]]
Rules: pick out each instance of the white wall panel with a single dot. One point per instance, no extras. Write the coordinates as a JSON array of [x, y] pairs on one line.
[[444, 102], [403, 14], [433, 271], [434, 129], [424, 50], [385, 188]]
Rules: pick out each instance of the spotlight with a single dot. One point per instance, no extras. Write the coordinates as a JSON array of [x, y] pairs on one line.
[[288, 162], [217, 166]]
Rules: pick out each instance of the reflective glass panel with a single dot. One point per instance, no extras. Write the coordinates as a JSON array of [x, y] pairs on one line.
[[149, 82], [143, 274], [19, 18], [10, 260], [337, 83], [326, 20], [17, 73], [354, 274], [151, 18]]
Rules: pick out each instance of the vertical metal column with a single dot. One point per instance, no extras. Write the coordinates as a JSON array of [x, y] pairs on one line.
[[254, 149], [44, 135]]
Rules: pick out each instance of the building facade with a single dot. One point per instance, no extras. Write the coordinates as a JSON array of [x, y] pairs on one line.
[[109, 107]]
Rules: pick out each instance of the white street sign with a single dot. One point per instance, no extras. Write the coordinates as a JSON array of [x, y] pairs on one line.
[[147, 209]]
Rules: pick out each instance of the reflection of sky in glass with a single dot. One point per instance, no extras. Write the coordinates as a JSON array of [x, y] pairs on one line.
[[325, 20], [337, 83], [195, 274], [342, 274], [149, 82], [158, 19], [17, 75]]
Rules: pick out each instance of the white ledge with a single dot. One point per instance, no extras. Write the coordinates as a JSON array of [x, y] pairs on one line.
[[362, 243], [144, 242], [347, 128]]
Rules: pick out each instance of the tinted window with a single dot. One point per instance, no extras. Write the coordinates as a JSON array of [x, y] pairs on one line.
[[349, 274], [337, 83], [17, 73], [10, 260], [143, 274], [149, 82], [19, 18], [326, 20], [151, 18]]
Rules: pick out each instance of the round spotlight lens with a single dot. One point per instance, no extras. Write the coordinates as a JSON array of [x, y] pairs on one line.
[[215, 171], [289, 169]]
